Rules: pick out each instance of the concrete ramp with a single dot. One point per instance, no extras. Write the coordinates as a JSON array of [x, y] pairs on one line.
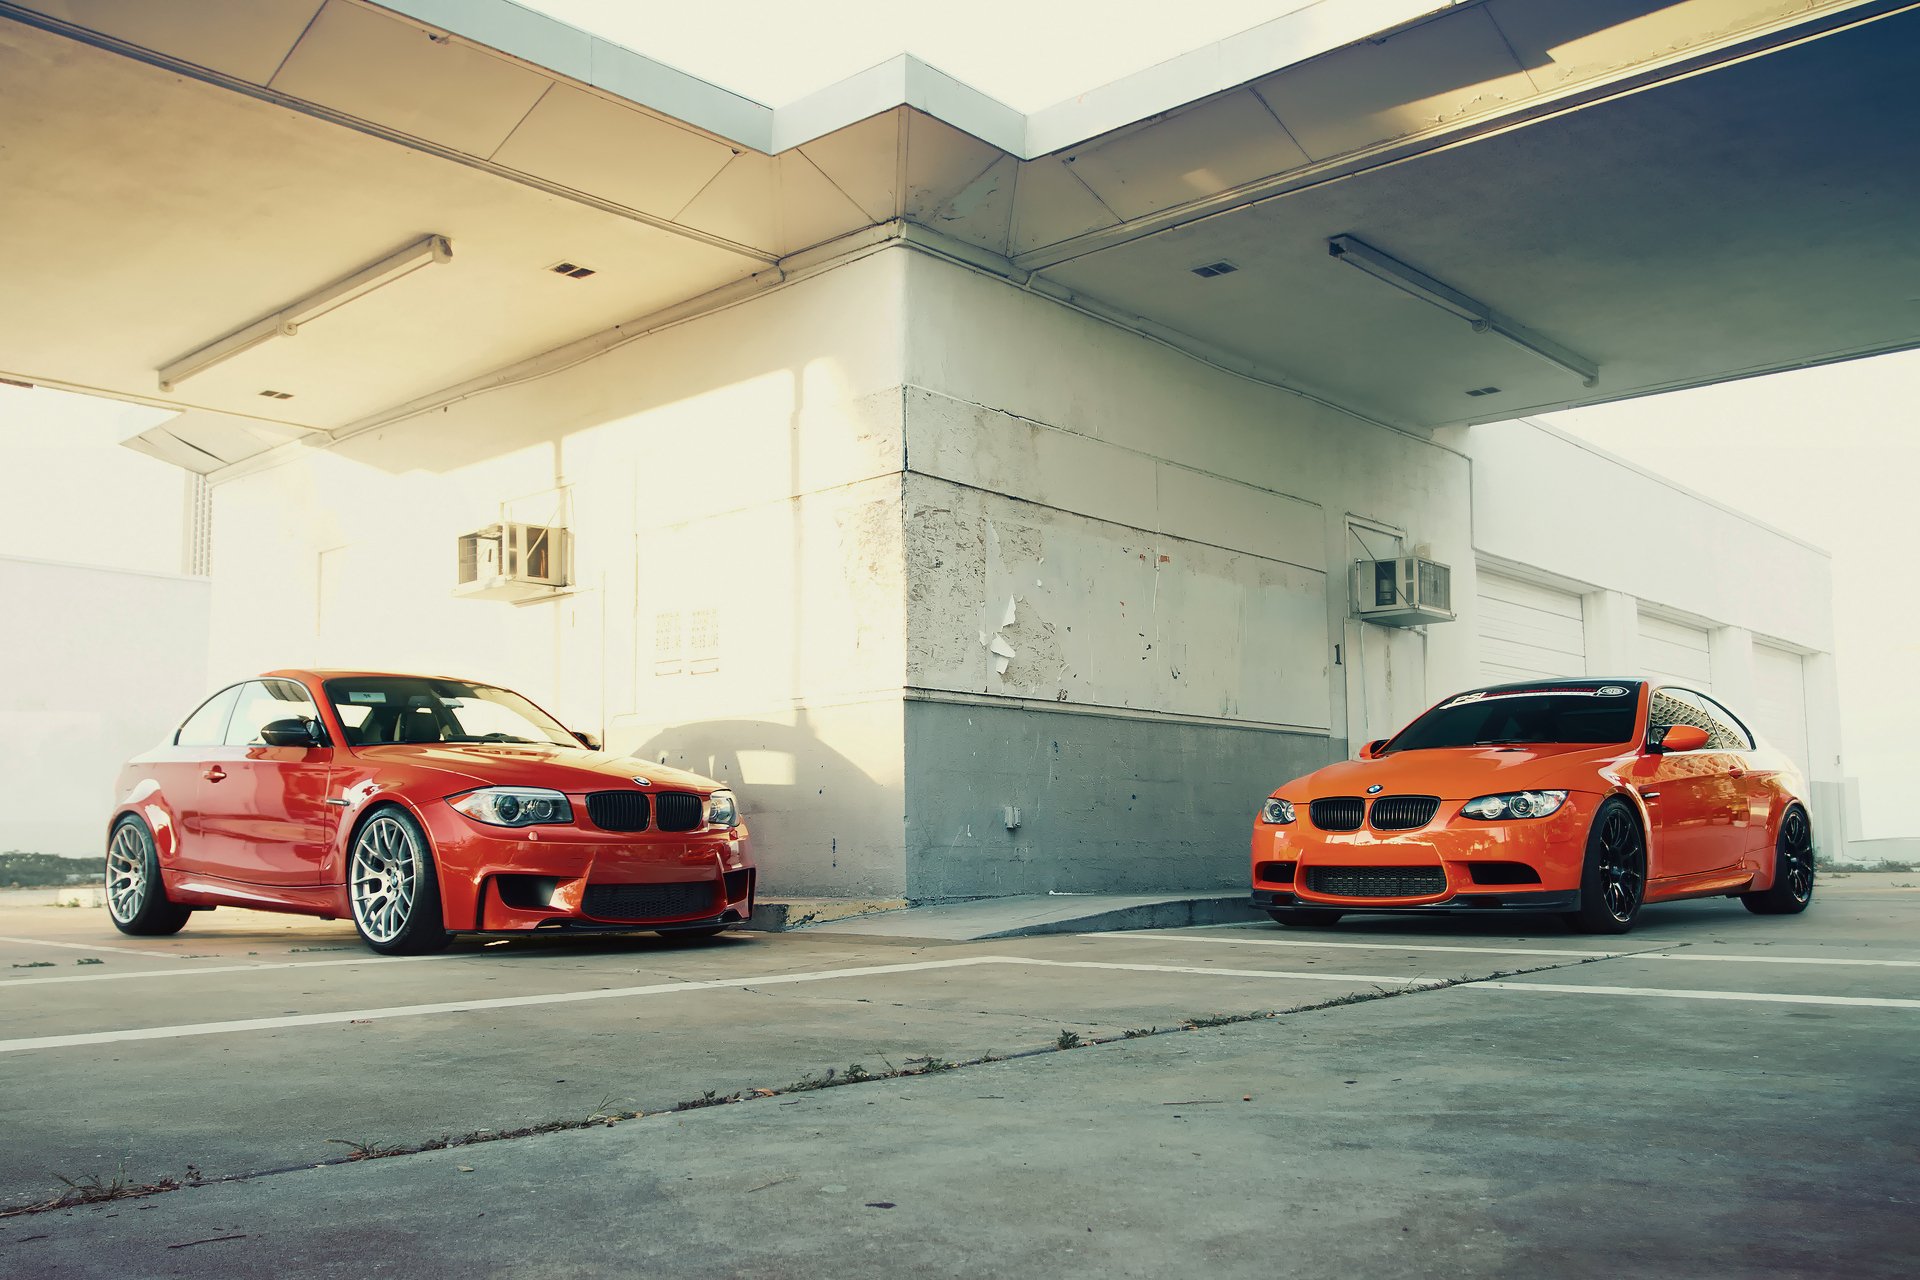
[[1027, 915]]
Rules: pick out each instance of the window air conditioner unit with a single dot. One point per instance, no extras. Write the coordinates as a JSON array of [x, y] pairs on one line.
[[514, 562], [1404, 592]]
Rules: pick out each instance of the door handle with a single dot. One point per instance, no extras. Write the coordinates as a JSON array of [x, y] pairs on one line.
[[214, 773], [1649, 795]]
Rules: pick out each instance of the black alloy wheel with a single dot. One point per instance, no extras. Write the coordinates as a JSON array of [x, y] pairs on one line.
[[1792, 887], [1613, 881]]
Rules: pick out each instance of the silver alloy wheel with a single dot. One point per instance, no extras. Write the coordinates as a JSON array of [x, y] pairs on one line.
[[383, 877], [126, 872]]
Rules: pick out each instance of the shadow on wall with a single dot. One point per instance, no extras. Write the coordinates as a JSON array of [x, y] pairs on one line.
[[821, 824]]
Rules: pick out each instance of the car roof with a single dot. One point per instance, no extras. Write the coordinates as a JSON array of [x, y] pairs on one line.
[[334, 673], [1562, 682]]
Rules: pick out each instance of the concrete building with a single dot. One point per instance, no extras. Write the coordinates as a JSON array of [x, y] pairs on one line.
[[978, 492]]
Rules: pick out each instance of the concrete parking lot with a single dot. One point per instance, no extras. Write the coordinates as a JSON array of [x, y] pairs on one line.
[[1715, 1094]]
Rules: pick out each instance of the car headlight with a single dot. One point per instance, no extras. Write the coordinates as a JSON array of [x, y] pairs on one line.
[[515, 806], [1276, 812], [1516, 804], [722, 809]]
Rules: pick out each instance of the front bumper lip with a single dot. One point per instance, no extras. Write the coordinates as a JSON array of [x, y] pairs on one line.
[[473, 858], [1553, 849], [1480, 899], [733, 916]]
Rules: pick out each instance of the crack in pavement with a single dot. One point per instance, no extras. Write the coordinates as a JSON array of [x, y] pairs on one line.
[[932, 1065]]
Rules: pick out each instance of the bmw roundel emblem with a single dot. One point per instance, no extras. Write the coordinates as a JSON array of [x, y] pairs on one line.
[[1374, 790], [643, 782]]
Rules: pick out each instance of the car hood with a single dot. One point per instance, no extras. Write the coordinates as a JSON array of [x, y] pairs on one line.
[[1456, 773], [501, 764]]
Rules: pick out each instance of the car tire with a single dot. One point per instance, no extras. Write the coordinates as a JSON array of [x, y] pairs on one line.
[[393, 886], [1613, 875], [1792, 887], [137, 901], [1304, 915]]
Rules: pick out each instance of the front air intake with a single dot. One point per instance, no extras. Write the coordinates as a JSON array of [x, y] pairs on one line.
[[1377, 882]]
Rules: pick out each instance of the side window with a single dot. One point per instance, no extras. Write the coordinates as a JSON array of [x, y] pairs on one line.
[[1683, 706], [1739, 737], [266, 702], [207, 726]]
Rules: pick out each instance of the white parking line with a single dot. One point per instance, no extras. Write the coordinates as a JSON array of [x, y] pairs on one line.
[[94, 946], [223, 968], [1655, 952], [1150, 936], [654, 989], [1708, 955], [1213, 972], [1762, 997]]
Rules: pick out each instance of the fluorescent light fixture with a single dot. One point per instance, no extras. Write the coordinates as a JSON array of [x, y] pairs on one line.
[[1484, 319], [286, 322]]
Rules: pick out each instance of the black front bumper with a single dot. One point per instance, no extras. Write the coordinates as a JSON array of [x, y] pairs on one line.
[[1558, 900]]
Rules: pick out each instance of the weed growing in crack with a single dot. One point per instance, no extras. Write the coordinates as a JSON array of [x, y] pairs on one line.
[[709, 1098], [361, 1150], [1068, 1040]]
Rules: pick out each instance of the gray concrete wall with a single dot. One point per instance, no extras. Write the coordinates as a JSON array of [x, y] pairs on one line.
[[1108, 803], [1892, 849]]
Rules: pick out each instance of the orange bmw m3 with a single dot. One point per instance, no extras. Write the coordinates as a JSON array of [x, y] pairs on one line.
[[1587, 798]]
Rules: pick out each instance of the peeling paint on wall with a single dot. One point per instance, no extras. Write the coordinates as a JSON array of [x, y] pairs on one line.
[[1124, 618]]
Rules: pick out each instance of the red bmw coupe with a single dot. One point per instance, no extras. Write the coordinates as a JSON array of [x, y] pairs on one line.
[[421, 807]]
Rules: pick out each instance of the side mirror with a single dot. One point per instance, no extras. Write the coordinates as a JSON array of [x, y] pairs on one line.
[[290, 733], [1678, 737], [587, 740], [1372, 750]]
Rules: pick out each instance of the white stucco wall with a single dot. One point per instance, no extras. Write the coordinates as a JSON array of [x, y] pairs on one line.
[[1246, 490], [99, 664], [1547, 499], [742, 465], [1128, 594]]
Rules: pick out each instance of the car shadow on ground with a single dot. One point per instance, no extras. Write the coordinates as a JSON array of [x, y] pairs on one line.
[[1667, 921]]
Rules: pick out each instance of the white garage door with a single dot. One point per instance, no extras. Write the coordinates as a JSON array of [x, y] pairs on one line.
[[1529, 631], [1779, 713], [1675, 651]]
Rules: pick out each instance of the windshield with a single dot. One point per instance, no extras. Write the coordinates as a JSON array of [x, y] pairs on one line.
[[412, 709], [1591, 714]]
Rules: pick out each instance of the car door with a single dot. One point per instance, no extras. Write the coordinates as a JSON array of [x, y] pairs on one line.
[[263, 812], [181, 767], [1756, 770], [1695, 799]]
